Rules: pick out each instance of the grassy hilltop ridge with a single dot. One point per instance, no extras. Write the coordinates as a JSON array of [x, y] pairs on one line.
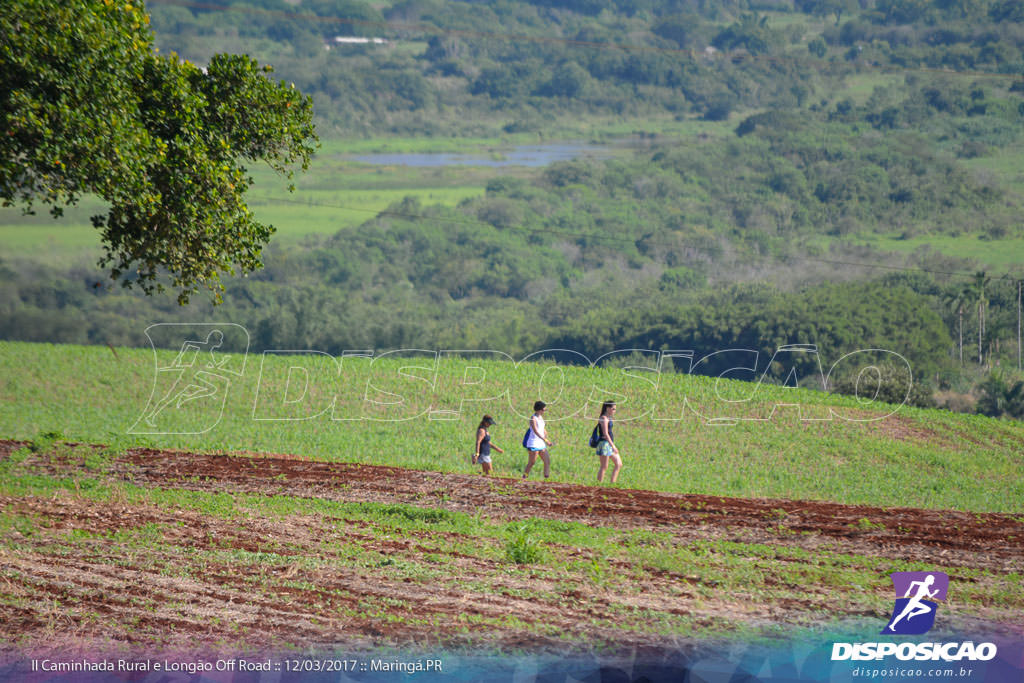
[[813, 446]]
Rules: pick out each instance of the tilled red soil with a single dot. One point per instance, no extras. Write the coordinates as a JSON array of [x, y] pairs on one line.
[[947, 536], [311, 581]]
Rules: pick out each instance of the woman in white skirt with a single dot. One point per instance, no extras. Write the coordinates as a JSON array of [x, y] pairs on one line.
[[537, 441]]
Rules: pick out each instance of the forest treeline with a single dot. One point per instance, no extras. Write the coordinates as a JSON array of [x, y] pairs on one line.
[[452, 67], [305, 299], [739, 240]]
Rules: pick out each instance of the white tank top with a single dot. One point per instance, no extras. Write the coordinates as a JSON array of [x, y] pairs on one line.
[[535, 441]]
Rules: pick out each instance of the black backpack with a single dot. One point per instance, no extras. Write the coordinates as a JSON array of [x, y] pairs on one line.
[[595, 436]]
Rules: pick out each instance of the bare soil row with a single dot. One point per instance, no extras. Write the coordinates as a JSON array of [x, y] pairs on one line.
[[316, 582]]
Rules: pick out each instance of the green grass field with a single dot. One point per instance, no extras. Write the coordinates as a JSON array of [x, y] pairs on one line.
[[997, 256], [334, 194], [1003, 164], [918, 458]]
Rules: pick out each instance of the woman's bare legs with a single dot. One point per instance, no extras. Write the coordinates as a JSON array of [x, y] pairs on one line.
[[616, 466], [545, 458]]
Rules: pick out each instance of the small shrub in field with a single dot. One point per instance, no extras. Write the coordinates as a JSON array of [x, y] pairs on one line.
[[524, 548], [415, 514], [100, 460], [865, 524], [44, 441]]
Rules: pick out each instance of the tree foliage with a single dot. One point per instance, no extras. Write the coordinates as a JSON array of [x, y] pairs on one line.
[[86, 106], [1001, 397]]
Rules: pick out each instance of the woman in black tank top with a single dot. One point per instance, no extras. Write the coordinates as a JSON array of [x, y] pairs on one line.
[[606, 448], [482, 452]]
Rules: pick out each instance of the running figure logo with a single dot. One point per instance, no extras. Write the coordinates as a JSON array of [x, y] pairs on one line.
[[189, 394], [914, 611]]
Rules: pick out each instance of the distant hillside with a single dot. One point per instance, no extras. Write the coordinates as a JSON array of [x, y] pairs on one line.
[[841, 174]]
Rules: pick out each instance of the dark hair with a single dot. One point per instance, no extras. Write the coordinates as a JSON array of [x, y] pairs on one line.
[[606, 405], [538, 405], [485, 422]]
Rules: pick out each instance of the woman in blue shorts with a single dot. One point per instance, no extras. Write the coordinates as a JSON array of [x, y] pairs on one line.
[[606, 448], [482, 452]]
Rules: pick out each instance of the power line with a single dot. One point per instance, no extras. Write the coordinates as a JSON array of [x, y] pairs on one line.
[[510, 37]]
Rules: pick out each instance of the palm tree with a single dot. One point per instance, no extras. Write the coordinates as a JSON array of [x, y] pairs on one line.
[[977, 290], [1020, 295], [955, 300]]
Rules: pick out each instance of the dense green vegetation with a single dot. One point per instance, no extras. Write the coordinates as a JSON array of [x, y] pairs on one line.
[[781, 175], [447, 64]]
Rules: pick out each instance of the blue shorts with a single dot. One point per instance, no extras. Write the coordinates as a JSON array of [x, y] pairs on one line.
[[483, 458], [604, 448]]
